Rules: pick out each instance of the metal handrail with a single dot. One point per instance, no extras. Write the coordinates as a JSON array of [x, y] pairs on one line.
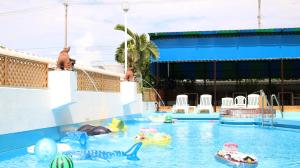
[[262, 94], [273, 96], [270, 105]]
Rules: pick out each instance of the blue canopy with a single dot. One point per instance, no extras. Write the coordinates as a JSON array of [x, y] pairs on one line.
[[227, 45]]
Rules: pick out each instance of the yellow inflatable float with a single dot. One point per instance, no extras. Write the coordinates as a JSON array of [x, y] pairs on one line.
[[153, 138], [117, 125]]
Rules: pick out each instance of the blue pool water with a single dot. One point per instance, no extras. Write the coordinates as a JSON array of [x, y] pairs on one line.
[[289, 115], [194, 144]]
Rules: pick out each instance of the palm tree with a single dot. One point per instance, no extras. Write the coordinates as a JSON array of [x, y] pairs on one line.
[[140, 50]]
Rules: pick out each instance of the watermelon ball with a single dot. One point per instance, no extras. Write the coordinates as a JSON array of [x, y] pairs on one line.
[[62, 161]]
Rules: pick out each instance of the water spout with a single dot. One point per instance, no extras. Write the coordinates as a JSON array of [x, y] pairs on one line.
[[154, 91], [91, 80]]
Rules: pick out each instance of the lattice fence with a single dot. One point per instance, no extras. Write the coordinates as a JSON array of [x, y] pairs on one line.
[[19, 72], [149, 95], [2, 69], [102, 82], [111, 83]]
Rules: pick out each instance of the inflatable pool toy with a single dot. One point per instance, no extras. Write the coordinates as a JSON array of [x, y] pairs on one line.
[[79, 136], [168, 119], [45, 149], [94, 130], [61, 147], [237, 159], [130, 154], [231, 156], [117, 125], [62, 161], [153, 138], [148, 130]]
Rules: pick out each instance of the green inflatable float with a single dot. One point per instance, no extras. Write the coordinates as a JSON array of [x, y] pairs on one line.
[[62, 161]]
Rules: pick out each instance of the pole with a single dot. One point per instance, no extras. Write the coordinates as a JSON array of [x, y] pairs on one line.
[[281, 83], [262, 109], [270, 78], [215, 86], [259, 14], [125, 17], [66, 23], [168, 69]]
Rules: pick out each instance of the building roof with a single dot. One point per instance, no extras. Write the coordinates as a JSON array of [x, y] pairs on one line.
[[228, 45], [159, 35]]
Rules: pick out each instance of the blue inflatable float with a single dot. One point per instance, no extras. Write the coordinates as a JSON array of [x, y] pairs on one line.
[[130, 154]]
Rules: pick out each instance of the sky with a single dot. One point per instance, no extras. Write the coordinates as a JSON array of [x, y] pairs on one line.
[[37, 26]]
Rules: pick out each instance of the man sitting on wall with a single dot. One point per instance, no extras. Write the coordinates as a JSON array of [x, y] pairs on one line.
[[64, 61], [129, 76]]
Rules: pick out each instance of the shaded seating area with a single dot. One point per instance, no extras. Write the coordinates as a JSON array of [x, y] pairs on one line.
[[243, 108], [181, 104], [205, 104], [253, 101], [227, 103], [240, 102], [229, 63]]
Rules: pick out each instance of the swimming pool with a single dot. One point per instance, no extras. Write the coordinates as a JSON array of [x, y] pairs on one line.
[[194, 144], [289, 115]]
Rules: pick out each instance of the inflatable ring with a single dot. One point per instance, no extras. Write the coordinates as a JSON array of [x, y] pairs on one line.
[[153, 139]]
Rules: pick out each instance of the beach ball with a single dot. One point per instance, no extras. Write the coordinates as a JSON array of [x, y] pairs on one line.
[[62, 161], [45, 149]]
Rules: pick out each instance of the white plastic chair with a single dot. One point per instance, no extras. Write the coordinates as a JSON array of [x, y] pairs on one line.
[[240, 102], [253, 101], [181, 104], [205, 103], [227, 102]]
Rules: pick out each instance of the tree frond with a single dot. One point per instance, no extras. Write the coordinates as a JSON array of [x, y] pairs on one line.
[[153, 50], [143, 41], [119, 55], [140, 50], [122, 28]]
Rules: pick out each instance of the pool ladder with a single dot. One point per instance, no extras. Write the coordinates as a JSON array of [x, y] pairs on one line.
[[271, 106]]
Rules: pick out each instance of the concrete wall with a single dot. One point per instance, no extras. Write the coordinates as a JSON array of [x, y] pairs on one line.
[[29, 109]]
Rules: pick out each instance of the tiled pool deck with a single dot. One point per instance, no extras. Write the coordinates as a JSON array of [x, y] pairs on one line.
[[290, 120], [214, 116]]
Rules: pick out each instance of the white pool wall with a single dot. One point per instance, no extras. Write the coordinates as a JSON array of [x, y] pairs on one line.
[[23, 109]]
